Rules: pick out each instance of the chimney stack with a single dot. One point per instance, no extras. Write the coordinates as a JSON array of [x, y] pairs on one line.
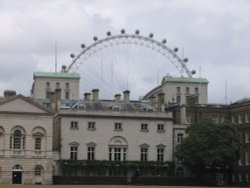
[[52, 98], [126, 96], [9, 93], [117, 97], [160, 101], [95, 94], [58, 94], [57, 99], [87, 96]]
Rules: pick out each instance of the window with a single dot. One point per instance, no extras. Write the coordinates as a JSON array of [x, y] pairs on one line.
[[196, 90], [247, 177], [233, 177], [178, 99], [215, 119], [179, 138], [74, 125], [67, 95], [178, 89], [38, 171], [46, 105], [247, 118], [240, 178], [247, 158], [38, 143], [118, 126], [160, 127], [144, 127], [91, 125], [144, 154], [17, 140], [57, 85], [117, 153], [221, 119], [239, 119], [240, 162], [196, 98], [247, 137], [160, 154], [47, 94], [67, 85], [179, 172], [47, 85], [91, 153], [187, 89], [73, 152]]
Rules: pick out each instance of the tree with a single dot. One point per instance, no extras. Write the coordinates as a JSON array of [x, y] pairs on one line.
[[209, 147]]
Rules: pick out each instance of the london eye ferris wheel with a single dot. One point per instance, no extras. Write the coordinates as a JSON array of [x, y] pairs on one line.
[[126, 62]]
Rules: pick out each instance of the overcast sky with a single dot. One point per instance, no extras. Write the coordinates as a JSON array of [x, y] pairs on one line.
[[214, 35]]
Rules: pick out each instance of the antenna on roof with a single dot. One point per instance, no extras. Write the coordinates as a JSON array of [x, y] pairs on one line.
[[55, 56], [226, 92]]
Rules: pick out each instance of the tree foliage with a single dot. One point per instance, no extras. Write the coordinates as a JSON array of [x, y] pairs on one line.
[[209, 147]]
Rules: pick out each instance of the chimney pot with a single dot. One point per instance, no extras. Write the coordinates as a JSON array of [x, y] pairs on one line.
[[117, 97], [95, 94], [87, 96], [9, 93], [126, 96]]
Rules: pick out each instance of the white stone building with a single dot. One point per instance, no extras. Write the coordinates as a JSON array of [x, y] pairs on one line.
[[113, 130], [181, 90], [25, 142], [46, 82]]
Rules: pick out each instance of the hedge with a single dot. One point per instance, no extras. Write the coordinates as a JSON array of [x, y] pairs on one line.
[[112, 180]]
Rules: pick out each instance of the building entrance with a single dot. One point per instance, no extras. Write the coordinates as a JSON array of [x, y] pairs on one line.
[[17, 174], [17, 177]]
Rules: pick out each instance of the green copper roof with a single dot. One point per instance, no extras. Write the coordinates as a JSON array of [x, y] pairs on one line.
[[184, 80], [56, 75]]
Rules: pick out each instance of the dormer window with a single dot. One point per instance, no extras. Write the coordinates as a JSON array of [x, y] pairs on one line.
[[116, 108]]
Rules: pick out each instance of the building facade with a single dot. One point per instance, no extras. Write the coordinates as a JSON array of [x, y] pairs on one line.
[[237, 113], [25, 142], [113, 130], [47, 82], [96, 137], [181, 90]]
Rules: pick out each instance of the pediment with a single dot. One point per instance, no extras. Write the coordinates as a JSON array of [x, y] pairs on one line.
[[21, 104]]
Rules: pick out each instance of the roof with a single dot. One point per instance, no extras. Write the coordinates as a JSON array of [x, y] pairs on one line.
[[56, 75], [109, 105], [28, 100], [184, 80], [241, 101]]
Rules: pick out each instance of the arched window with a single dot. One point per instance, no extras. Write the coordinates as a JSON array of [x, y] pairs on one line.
[[38, 171], [17, 139], [38, 134], [118, 149]]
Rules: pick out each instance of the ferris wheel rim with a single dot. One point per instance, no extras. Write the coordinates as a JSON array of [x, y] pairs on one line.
[[141, 39]]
